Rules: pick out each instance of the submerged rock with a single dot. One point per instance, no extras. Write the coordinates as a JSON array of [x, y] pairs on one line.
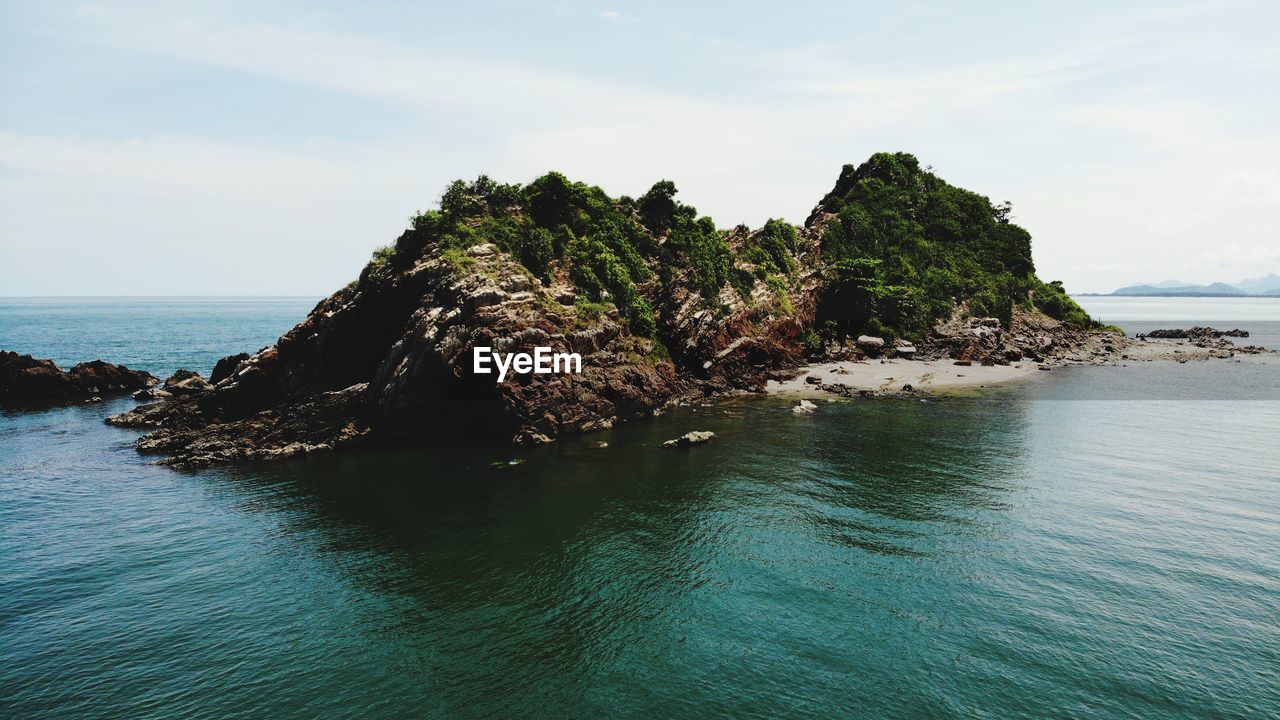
[[804, 407], [26, 381], [697, 437]]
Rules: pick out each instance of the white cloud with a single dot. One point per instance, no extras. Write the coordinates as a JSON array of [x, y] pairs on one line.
[[613, 16], [1110, 178]]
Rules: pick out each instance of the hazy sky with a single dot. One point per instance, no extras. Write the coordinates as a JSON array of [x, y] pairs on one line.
[[232, 148]]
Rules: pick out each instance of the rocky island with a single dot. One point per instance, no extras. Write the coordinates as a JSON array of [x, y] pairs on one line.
[[662, 306]]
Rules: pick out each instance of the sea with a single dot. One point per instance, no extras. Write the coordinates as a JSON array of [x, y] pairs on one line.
[[1099, 542]]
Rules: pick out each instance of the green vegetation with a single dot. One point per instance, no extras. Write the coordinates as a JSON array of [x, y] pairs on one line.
[[771, 249], [1053, 300], [779, 286], [905, 247], [606, 246], [377, 269], [902, 249]]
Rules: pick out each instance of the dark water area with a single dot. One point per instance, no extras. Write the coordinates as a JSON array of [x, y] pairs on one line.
[[1041, 550]]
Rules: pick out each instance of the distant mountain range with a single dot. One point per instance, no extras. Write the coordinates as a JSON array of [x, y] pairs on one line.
[[1267, 285]]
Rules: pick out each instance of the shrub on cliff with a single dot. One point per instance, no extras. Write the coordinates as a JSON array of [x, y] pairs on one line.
[[1053, 301], [933, 243], [772, 248], [535, 249], [552, 220], [377, 269], [901, 247]]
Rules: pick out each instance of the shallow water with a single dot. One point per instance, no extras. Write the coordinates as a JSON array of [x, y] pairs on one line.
[[1034, 551]]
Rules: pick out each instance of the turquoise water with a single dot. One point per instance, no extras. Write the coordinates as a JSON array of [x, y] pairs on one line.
[[1037, 551], [156, 334]]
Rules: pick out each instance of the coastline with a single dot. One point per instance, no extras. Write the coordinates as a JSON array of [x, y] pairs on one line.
[[943, 375], [895, 375]]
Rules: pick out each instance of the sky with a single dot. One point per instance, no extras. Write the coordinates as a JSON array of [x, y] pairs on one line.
[[255, 148]]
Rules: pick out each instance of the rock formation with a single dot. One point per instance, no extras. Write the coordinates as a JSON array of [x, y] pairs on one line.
[[28, 382], [1197, 332], [661, 307]]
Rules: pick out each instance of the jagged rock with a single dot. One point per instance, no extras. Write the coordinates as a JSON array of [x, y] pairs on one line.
[[517, 284], [186, 382], [151, 393], [190, 386], [226, 367], [29, 382], [697, 437], [178, 376]]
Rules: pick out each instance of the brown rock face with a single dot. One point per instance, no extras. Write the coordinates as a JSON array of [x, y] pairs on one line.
[[27, 382], [1030, 335], [226, 367], [393, 360]]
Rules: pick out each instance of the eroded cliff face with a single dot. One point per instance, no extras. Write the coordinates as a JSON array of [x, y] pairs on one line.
[[392, 360]]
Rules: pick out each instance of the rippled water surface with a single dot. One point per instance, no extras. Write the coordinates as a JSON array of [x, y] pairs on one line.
[[1017, 553]]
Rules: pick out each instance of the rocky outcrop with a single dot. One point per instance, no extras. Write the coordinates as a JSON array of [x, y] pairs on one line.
[[151, 393], [1030, 336], [27, 382], [226, 367], [1034, 337], [186, 382], [1197, 332], [391, 359]]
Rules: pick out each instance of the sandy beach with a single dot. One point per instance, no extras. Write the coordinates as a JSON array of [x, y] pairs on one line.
[[893, 375]]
